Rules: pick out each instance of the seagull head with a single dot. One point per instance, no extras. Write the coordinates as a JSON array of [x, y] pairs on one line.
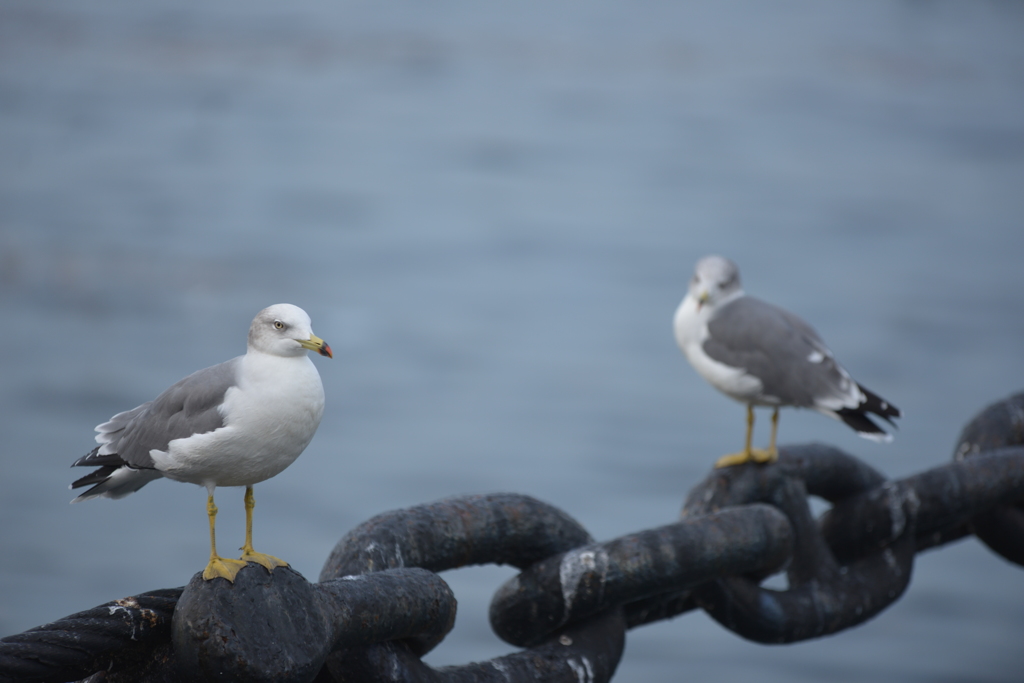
[[285, 330], [714, 279]]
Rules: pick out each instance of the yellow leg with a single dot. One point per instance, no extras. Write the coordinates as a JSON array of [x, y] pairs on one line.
[[248, 554], [749, 454], [772, 454], [218, 566]]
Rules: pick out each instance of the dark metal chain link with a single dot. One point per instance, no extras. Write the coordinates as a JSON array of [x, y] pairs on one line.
[[379, 605]]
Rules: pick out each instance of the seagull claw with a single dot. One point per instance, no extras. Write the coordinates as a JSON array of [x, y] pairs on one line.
[[222, 568], [267, 561], [761, 456]]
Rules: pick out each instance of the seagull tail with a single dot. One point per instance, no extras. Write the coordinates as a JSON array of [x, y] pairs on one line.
[[112, 481], [858, 420]]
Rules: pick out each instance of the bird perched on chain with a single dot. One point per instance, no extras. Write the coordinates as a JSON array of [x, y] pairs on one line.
[[762, 355], [233, 424]]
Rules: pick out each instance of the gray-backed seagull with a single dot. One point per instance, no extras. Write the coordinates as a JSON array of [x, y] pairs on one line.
[[234, 424], [762, 355]]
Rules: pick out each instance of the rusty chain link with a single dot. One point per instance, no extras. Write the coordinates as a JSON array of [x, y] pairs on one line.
[[379, 604]]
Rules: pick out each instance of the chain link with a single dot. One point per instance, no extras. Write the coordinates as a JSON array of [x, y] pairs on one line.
[[379, 604]]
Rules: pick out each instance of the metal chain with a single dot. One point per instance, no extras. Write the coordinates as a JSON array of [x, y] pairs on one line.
[[77, 645], [379, 605]]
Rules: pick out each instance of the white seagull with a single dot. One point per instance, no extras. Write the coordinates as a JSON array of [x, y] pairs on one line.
[[234, 424], [762, 355]]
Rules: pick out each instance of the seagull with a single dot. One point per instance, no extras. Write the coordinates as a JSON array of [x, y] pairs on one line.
[[233, 424], [762, 355]]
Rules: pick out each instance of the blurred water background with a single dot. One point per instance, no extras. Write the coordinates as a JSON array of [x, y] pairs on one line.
[[491, 213]]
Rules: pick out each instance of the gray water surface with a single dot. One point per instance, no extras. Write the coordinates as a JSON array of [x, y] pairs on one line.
[[491, 214]]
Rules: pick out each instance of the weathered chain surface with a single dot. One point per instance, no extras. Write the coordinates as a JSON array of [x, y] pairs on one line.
[[379, 604]]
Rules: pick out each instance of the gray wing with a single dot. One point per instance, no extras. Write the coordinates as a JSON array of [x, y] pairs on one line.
[[776, 347], [189, 407]]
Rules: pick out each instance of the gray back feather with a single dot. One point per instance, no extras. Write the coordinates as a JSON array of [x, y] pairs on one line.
[[188, 407], [764, 339]]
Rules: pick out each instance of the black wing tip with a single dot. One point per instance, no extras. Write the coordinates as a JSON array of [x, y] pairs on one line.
[[94, 459], [858, 420], [875, 404], [95, 477], [84, 460]]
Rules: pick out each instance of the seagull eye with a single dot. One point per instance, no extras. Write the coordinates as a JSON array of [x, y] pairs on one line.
[[278, 324]]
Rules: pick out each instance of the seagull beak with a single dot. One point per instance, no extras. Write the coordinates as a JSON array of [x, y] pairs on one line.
[[315, 343], [702, 299]]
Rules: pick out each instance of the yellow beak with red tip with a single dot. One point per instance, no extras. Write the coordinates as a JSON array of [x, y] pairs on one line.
[[315, 343]]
